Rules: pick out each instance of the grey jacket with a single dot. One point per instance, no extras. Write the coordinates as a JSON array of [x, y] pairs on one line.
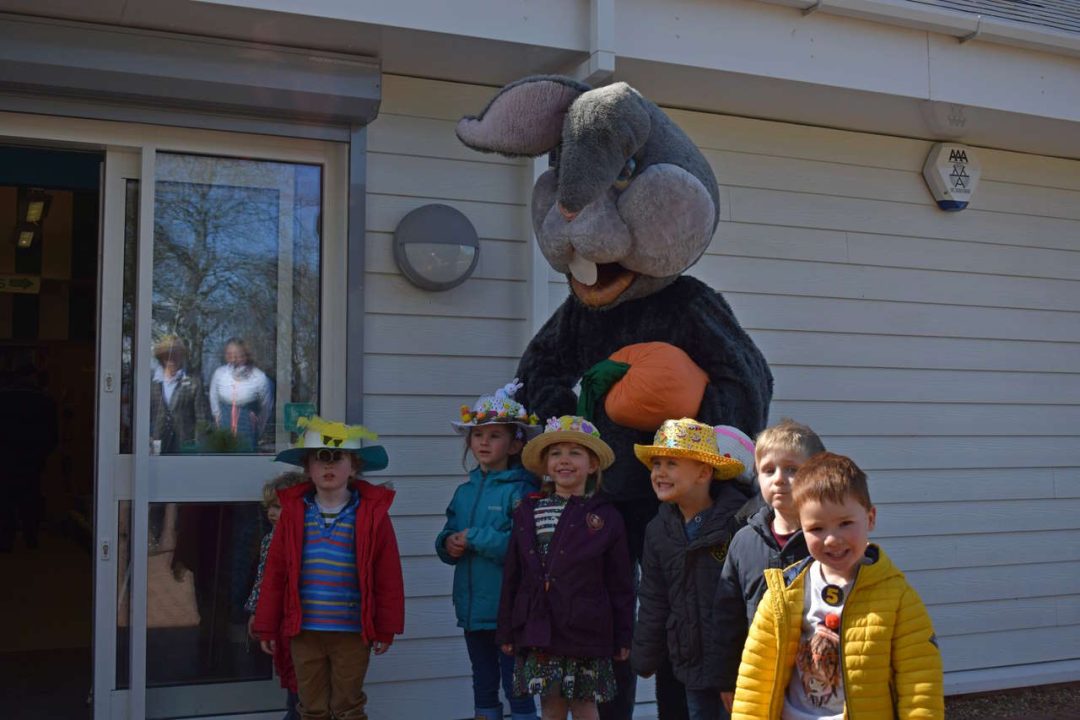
[[742, 585], [180, 423], [678, 586]]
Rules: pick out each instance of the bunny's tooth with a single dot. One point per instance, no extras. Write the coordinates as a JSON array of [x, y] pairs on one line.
[[583, 270]]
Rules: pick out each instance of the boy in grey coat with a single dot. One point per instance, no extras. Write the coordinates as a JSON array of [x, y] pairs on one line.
[[772, 539]]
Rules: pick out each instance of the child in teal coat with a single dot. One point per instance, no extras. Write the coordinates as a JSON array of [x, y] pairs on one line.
[[476, 535]]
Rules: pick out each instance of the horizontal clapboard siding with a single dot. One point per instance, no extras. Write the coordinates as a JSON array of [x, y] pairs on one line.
[[939, 350], [426, 354]]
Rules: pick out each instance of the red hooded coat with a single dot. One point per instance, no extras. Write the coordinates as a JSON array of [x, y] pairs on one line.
[[378, 566]]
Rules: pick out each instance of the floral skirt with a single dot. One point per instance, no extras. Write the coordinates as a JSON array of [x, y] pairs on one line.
[[537, 673]]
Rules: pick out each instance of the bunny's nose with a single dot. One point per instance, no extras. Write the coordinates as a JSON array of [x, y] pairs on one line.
[[567, 214]]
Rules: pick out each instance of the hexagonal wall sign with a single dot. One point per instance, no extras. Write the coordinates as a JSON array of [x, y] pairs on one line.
[[952, 173]]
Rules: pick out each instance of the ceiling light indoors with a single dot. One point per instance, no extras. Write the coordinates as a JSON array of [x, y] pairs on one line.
[[37, 203], [33, 207], [24, 237]]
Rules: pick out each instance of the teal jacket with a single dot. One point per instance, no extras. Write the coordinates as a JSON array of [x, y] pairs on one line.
[[483, 504]]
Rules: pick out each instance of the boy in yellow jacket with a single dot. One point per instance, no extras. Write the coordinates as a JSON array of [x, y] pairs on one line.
[[840, 634]]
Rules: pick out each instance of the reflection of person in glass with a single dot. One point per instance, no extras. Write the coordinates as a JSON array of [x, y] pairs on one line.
[[241, 396], [178, 413]]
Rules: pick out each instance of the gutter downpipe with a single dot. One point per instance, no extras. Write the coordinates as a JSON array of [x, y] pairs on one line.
[[599, 68]]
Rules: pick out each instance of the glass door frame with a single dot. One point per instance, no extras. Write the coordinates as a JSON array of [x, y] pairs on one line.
[[131, 154]]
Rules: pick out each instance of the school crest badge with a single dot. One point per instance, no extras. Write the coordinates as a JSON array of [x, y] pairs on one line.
[[594, 522], [719, 552]]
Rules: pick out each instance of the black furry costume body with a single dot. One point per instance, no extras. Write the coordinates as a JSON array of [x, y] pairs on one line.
[[688, 314]]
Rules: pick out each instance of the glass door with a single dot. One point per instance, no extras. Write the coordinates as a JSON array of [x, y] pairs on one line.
[[114, 461], [222, 263]]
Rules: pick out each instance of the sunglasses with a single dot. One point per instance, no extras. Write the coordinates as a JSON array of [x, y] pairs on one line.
[[325, 455]]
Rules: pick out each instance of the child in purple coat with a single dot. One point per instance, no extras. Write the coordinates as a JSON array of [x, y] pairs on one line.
[[567, 604]]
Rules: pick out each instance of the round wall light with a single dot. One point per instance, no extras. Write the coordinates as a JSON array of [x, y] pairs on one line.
[[436, 247]]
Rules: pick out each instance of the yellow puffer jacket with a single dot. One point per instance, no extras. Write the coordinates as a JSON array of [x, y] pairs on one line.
[[889, 657]]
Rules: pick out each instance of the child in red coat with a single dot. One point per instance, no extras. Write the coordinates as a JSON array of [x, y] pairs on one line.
[[282, 659], [332, 583]]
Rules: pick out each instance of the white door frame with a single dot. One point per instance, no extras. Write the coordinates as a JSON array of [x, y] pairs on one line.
[[139, 477]]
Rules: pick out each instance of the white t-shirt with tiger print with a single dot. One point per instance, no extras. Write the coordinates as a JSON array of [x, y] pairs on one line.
[[816, 690]]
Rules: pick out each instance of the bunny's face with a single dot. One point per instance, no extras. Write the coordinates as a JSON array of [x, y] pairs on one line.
[[628, 203]]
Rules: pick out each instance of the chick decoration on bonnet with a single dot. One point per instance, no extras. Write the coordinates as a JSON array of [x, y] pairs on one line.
[[499, 408], [319, 433]]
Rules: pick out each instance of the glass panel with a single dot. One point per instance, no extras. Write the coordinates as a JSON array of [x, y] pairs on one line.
[[235, 301], [123, 594], [200, 570], [127, 313]]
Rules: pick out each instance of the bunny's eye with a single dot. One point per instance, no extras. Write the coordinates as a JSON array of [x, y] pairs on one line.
[[623, 181]]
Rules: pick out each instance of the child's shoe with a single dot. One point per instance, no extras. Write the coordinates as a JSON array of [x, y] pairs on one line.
[[494, 713]]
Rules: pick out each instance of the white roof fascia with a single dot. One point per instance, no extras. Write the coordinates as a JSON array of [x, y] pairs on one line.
[[963, 26]]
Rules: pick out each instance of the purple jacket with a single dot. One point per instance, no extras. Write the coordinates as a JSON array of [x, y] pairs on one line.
[[581, 604]]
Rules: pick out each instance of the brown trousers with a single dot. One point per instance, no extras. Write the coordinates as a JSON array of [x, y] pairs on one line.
[[330, 670]]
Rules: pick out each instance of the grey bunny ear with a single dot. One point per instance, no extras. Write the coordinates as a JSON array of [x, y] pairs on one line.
[[525, 119]]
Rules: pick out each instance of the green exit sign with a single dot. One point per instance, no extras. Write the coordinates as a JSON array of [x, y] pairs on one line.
[[20, 284]]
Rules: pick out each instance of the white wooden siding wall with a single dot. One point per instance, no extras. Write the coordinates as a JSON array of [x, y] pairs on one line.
[[428, 353], [938, 349]]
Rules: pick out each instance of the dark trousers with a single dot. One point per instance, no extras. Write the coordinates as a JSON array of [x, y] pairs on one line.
[[489, 665], [706, 705], [21, 506], [292, 711], [670, 693]]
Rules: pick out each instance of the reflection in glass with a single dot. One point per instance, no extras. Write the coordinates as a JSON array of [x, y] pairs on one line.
[[123, 593], [241, 395], [178, 404], [127, 313], [236, 285], [200, 568]]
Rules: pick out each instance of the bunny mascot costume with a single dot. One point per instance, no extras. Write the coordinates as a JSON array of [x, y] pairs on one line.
[[628, 204]]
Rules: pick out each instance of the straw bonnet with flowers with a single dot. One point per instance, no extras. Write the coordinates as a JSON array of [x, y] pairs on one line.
[[688, 438], [499, 408], [568, 428], [320, 434]]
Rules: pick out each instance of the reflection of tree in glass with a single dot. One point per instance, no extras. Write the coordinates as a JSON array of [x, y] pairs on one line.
[[215, 261], [221, 227], [305, 321], [127, 313]]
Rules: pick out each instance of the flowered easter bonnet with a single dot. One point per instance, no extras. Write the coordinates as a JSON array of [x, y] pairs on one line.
[[568, 428], [499, 408], [688, 438], [732, 441], [320, 433]]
